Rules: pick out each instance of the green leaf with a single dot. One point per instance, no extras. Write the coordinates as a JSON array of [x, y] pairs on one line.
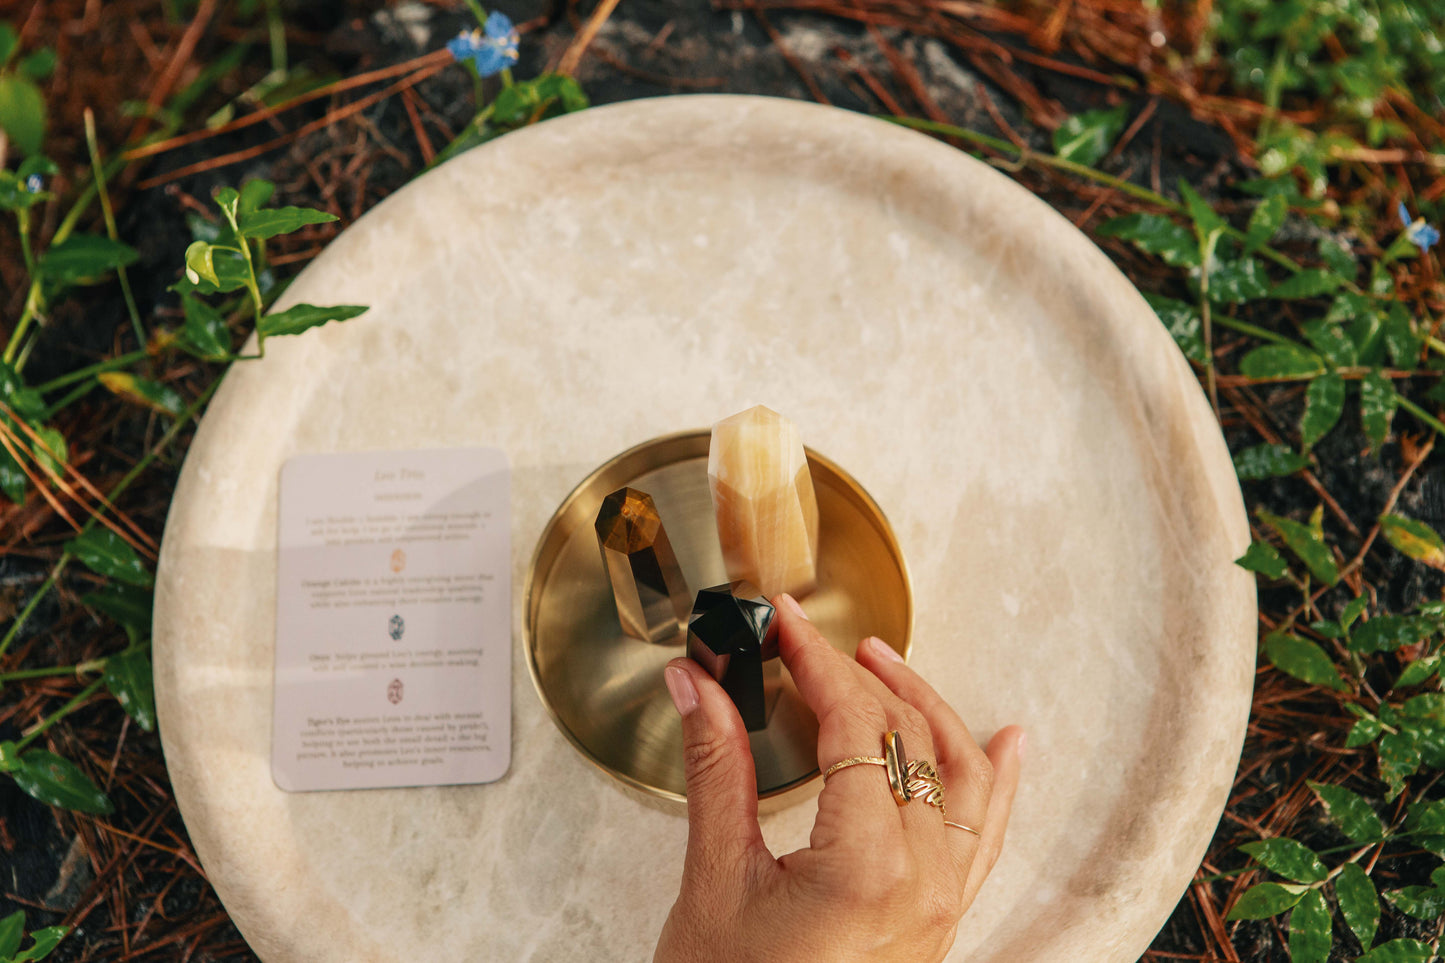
[[565, 88], [201, 262], [1363, 732], [1399, 760], [254, 195], [1399, 951], [45, 941], [1421, 902], [128, 677], [1417, 672], [1288, 858], [1351, 813], [150, 394], [1386, 633], [1310, 283], [225, 267], [205, 334], [1265, 900], [1261, 557], [1267, 461], [1426, 817], [1307, 542], [1331, 341], [1302, 659], [1281, 361], [126, 605], [1330, 630], [1237, 281], [1426, 705], [50, 450], [1265, 222], [1156, 235], [83, 258], [58, 782], [12, 927], [1085, 138], [1353, 610], [9, 42], [1339, 258], [228, 200], [1324, 402], [303, 317], [22, 113], [1401, 338], [39, 65], [1206, 220], [1358, 903], [1309, 930], [1184, 325], [26, 402], [270, 222], [1415, 539], [106, 553], [1377, 406]]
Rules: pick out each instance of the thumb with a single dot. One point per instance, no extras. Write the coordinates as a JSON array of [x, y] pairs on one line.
[[722, 792]]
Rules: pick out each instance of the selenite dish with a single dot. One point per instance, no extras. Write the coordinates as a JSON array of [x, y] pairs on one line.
[[1055, 479]]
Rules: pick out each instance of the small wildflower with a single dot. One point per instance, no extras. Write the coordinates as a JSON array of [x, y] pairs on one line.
[[35, 183], [492, 49], [1420, 234]]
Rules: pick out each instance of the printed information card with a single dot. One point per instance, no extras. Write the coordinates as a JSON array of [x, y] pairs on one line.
[[393, 620]]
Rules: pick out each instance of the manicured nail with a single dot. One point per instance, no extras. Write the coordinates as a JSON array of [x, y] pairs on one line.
[[680, 687], [791, 604], [1018, 746], [883, 649]]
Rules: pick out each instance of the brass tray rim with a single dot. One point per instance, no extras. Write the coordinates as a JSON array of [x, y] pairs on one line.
[[852, 487]]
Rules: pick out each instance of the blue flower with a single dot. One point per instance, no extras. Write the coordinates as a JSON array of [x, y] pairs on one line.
[[492, 49], [1420, 234], [35, 183]]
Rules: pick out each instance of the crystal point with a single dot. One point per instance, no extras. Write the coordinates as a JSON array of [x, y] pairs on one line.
[[762, 493], [732, 634], [647, 584]]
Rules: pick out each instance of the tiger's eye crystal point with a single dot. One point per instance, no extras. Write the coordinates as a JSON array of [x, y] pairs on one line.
[[733, 635], [647, 584], [762, 494]]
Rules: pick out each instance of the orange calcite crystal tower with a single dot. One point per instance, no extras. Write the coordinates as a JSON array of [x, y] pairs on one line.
[[762, 492]]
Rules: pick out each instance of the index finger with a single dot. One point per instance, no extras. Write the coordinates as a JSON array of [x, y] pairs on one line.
[[851, 721]]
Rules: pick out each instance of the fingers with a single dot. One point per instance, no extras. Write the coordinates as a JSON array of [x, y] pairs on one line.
[[1005, 751], [723, 839], [965, 768]]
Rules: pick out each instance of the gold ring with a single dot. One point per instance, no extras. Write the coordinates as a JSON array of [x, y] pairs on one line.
[[894, 760], [923, 783], [967, 829], [855, 761]]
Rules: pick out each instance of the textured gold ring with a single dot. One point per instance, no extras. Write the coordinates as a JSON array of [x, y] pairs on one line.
[[894, 760], [923, 783], [967, 829]]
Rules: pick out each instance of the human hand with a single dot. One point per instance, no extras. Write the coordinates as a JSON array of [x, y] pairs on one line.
[[878, 881]]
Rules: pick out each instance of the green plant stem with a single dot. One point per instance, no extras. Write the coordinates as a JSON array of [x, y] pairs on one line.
[[1079, 170], [97, 170], [68, 399], [276, 28], [1421, 413], [22, 216], [94, 665], [59, 714], [1244, 327], [115, 492], [80, 374]]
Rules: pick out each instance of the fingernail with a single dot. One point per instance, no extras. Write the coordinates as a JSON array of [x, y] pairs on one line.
[[791, 604], [1018, 746], [680, 687], [883, 649]]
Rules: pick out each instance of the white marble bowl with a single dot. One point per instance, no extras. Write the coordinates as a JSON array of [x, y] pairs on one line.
[[1057, 483]]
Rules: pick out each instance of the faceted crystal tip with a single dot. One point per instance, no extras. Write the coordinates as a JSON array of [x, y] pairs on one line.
[[762, 494], [647, 584], [733, 635]]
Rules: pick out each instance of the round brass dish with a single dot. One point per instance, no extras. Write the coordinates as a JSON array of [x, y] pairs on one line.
[[605, 689]]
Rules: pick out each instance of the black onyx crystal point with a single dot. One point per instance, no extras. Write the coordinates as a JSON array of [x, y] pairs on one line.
[[732, 634]]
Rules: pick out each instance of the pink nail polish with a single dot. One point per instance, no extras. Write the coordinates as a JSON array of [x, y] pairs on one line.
[[681, 688], [791, 604], [1023, 741], [884, 649]]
